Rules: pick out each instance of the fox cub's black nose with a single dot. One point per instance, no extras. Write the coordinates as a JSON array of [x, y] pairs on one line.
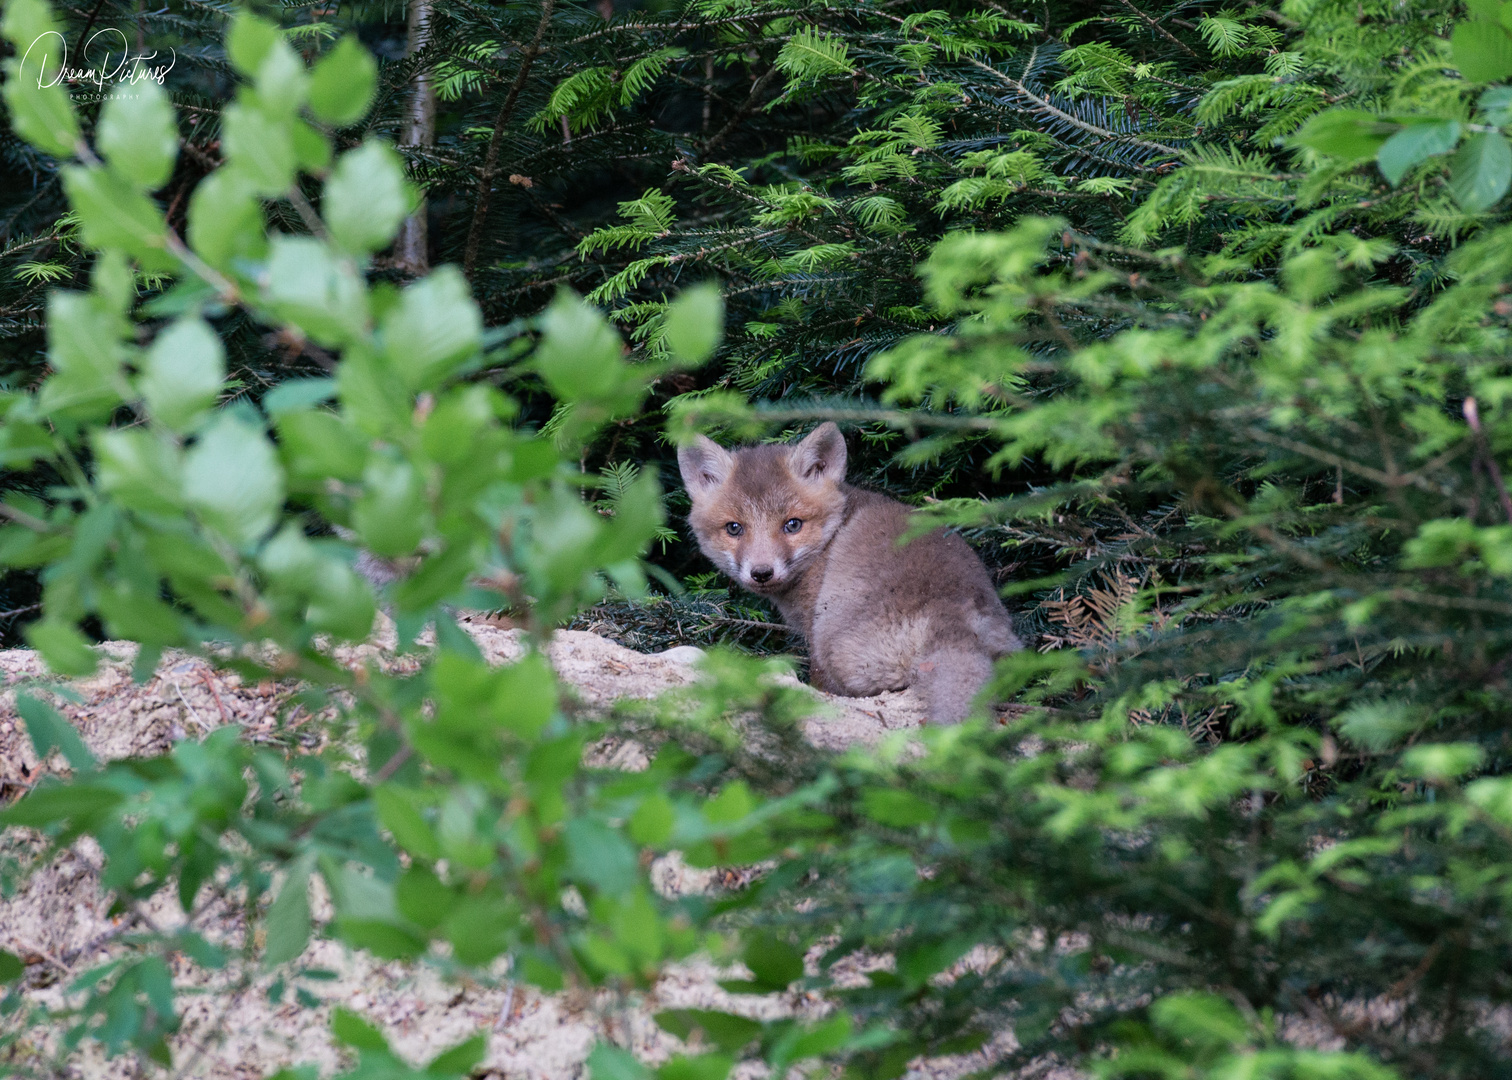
[[761, 574]]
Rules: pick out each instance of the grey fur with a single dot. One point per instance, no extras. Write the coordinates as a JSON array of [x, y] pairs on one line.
[[877, 614]]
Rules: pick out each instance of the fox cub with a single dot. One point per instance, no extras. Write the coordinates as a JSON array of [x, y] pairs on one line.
[[877, 615]]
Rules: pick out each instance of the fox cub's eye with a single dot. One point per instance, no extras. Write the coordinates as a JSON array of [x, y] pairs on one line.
[[791, 525], [734, 528]]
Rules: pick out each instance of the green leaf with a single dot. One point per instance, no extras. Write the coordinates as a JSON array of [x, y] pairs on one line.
[[42, 115], [1415, 143], [133, 612], [400, 816], [288, 922], [1496, 105], [282, 82], [730, 805], [695, 323], [249, 41], [321, 294], [1347, 134], [823, 1038], [316, 444], [1492, 795], [343, 83], [599, 856], [390, 516], [259, 148], [83, 345], [312, 150], [51, 803], [526, 697], [773, 962], [295, 395], [11, 967], [366, 198], [433, 330], [232, 478], [1441, 762], [892, 806], [480, 928], [608, 1062], [702, 1067], [341, 601], [461, 1059], [380, 937], [226, 220], [49, 731], [183, 374], [1482, 51], [142, 469], [113, 214], [138, 134], [579, 355], [113, 282], [29, 21], [1481, 171], [356, 1032], [651, 824], [422, 898], [724, 1030], [63, 648]]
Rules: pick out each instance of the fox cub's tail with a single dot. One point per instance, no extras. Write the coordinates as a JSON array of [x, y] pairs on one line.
[[950, 678]]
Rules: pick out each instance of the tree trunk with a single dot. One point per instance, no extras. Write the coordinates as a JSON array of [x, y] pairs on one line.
[[412, 248]]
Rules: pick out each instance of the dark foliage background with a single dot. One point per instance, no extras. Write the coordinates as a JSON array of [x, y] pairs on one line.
[[609, 143]]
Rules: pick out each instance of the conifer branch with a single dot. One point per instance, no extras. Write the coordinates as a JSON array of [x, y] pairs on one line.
[[491, 161]]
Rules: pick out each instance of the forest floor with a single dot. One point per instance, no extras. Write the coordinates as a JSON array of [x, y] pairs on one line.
[[58, 923]]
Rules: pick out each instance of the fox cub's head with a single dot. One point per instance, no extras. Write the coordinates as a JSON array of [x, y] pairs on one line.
[[761, 513]]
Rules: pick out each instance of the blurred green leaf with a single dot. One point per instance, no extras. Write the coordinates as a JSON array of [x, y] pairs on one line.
[[49, 731], [288, 922], [138, 134], [1415, 143], [1481, 171], [608, 1062], [579, 354], [695, 323], [433, 329], [725, 1030], [461, 1059], [356, 1032], [233, 480], [113, 214], [183, 374], [343, 82], [315, 291], [63, 648], [1348, 134], [40, 114], [1482, 51], [599, 856], [226, 220], [259, 148], [366, 198]]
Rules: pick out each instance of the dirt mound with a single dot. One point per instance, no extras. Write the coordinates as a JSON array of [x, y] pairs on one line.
[[57, 922]]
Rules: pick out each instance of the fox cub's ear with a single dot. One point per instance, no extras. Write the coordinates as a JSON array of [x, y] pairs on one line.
[[705, 465], [821, 456]]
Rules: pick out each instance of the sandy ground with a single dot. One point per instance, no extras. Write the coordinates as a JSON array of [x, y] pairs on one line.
[[57, 921]]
